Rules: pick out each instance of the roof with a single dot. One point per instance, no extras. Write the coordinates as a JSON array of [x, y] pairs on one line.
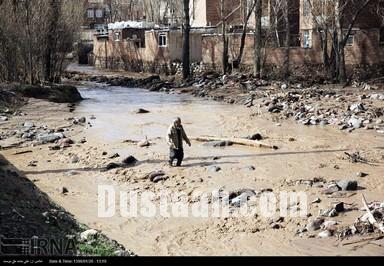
[[131, 24]]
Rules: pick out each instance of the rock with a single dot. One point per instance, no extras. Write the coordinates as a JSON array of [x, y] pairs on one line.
[[343, 127], [49, 138], [28, 125], [256, 136], [361, 174], [357, 107], [218, 144], [325, 234], [347, 185], [355, 123], [64, 190], [27, 135], [65, 143], [3, 118], [129, 160], [318, 200], [75, 159], [88, 235], [123, 253], [250, 168], [379, 121], [92, 117], [332, 213], [144, 143], [275, 226], [72, 173], [329, 225], [114, 156], [331, 189], [214, 169], [160, 178], [111, 166], [284, 87], [104, 153], [82, 120], [141, 111], [339, 207], [151, 176], [315, 225]]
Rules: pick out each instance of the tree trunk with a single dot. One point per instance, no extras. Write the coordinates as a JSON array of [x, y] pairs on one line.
[[54, 14], [287, 39], [258, 43], [186, 49], [224, 37], [340, 55], [239, 58]]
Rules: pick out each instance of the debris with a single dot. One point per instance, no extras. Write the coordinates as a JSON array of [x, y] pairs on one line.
[[371, 218], [347, 185], [315, 225], [151, 176], [331, 189]]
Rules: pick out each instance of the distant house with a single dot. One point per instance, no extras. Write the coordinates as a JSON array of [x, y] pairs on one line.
[[95, 19], [143, 46], [365, 44]]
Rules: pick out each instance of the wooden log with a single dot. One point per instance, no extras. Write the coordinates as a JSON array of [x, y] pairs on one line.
[[237, 141]]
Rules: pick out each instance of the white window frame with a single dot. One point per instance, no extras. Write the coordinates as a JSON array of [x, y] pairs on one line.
[[351, 37], [163, 36], [99, 13], [307, 39], [117, 36], [90, 13]]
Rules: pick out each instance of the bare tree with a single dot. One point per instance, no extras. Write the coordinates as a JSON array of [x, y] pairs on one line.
[[258, 38], [186, 38], [237, 61]]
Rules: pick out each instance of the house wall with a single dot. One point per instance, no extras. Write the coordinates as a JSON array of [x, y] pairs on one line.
[[366, 50], [126, 55]]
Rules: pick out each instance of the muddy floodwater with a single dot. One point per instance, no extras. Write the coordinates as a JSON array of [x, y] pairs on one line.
[[304, 153]]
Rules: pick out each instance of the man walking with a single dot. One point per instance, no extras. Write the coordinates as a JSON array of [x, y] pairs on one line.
[[175, 137]]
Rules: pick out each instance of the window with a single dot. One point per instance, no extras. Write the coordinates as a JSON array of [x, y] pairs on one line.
[[306, 8], [90, 13], [307, 39], [351, 40], [163, 40], [117, 36], [99, 13], [381, 36]]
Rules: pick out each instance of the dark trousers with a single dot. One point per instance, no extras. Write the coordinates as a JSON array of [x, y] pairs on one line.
[[176, 155]]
